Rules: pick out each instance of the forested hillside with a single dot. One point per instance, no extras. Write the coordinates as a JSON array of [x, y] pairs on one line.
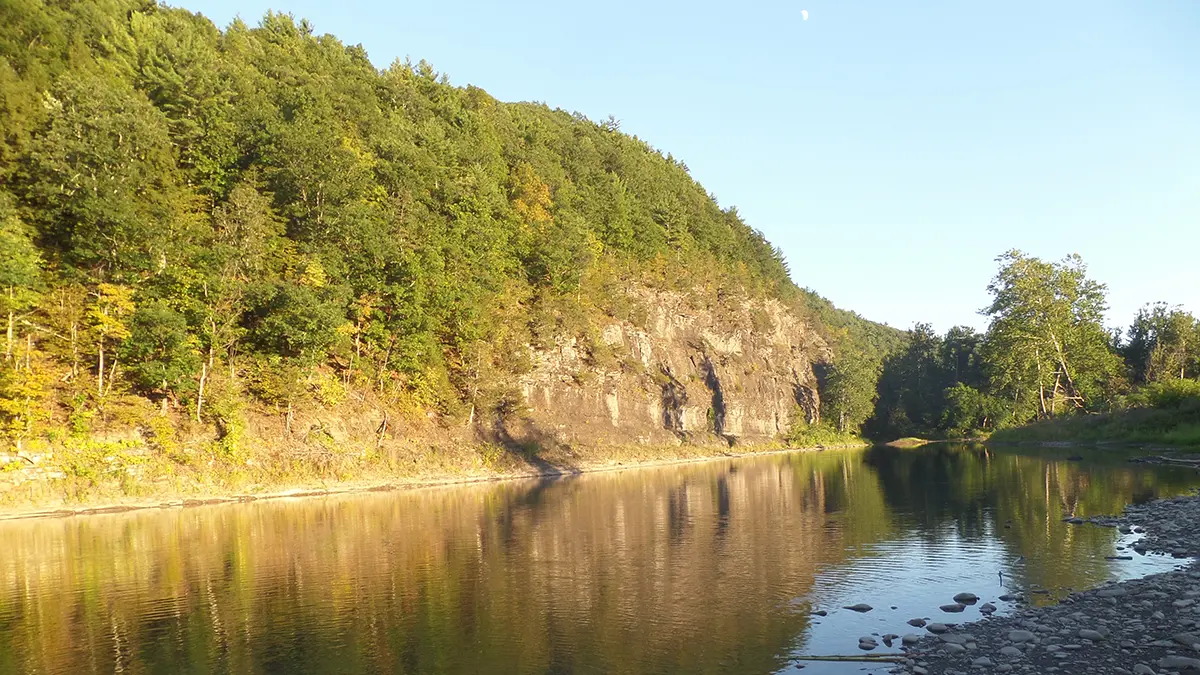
[[198, 223]]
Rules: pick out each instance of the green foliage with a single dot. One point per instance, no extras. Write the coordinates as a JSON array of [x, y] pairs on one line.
[[850, 391], [160, 351], [805, 435], [1162, 343], [20, 260], [1165, 394], [969, 411], [1046, 347], [295, 320]]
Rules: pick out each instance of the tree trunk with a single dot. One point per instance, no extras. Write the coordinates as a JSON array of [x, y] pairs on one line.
[[112, 376], [100, 371], [8, 345], [200, 391], [1037, 354], [74, 350]]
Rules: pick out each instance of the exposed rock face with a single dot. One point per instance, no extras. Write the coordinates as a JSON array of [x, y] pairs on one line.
[[689, 375]]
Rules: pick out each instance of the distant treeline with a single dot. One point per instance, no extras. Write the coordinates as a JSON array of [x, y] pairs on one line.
[[1045, 355]]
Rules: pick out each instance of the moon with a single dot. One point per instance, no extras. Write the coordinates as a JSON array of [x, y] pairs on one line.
[[804, 14]]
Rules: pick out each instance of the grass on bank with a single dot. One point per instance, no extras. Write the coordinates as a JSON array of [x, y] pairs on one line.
[[804, 435], [1166, 413]]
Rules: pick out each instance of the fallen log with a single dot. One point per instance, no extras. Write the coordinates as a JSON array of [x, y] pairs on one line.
[[867, 658]]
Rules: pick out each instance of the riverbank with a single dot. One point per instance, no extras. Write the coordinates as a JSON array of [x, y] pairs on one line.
[[1142, 626], [1162, 416], [611, 459]]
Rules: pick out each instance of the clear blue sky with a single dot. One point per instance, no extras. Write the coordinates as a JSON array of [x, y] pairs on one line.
[[892, 150]]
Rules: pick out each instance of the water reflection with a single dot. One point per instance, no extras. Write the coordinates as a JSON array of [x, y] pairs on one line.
[[702, 568]]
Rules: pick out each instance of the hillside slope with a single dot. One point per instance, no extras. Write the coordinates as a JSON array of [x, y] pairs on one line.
[[250, 247]]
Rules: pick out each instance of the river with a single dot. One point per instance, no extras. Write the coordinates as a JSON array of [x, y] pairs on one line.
[[713, 567]]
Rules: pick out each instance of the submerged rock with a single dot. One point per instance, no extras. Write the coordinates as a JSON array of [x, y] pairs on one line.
[[956, 607], [860, 607]]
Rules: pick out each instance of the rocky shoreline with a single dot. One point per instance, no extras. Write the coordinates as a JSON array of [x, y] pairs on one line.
[[1147, 626]]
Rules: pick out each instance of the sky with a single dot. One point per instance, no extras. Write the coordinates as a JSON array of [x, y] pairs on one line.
[[891, 150]]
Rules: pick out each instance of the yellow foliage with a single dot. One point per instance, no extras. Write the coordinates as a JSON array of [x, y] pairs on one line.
[[531, 197], [314, 275], [25, 400], [113, 303]]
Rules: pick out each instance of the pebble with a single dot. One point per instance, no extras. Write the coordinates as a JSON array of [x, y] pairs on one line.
[[937, 628], [1187, 639], [954, 608], [1179, 663], [919, 623], [1020, 636], [966, 598]]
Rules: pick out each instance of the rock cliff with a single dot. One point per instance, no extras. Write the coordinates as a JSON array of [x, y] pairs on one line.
[[707, 375]]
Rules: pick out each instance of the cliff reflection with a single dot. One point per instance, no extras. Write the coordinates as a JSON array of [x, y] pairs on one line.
[[693, 568]]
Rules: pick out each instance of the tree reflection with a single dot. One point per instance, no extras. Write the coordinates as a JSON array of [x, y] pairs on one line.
[[691, 568]]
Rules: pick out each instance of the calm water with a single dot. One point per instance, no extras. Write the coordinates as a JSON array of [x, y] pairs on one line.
[[702, 568]]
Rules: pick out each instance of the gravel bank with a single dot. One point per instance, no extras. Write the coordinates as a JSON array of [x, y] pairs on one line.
[[1144, 626]]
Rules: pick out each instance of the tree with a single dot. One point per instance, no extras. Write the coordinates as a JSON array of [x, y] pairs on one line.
[[1046, 347], [850, 392], [910, 386], [20, 265], [107, 315], [969, 410], [161, 351], [1163, 342], [102, 178]]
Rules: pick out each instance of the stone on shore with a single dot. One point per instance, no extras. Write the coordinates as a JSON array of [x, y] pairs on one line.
[[1020, 636]]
